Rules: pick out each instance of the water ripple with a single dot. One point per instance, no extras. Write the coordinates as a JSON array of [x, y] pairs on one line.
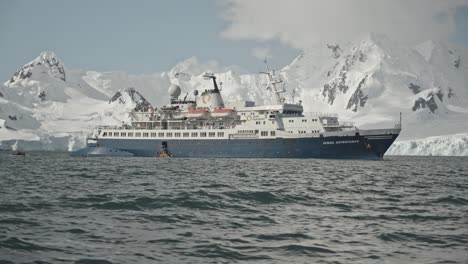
[[58, 209]]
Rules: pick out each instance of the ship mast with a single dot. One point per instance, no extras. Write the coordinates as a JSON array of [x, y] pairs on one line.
[[274, 83], [213, 77]]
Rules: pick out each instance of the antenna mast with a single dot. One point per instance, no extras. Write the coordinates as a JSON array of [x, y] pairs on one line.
[[293, 94], [400, 120], [213, 77], [273, 84]]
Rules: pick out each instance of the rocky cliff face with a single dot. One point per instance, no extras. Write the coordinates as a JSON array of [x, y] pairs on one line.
[[132, 96]]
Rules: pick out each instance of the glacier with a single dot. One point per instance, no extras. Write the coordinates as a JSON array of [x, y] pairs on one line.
[[46, 106], [448, 145]]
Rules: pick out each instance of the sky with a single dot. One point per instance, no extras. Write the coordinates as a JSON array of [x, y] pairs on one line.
[[143, 37]]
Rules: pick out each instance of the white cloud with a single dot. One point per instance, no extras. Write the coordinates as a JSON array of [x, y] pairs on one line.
[[302, 23], [262, 53]]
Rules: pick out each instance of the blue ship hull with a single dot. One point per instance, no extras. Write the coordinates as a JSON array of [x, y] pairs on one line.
[[342, 147]]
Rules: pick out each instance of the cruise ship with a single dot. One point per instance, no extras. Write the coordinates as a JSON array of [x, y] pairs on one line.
[[206, 127]]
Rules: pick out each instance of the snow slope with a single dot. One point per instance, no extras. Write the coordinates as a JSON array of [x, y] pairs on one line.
[[368, 81], [372, 80], [452, 145]]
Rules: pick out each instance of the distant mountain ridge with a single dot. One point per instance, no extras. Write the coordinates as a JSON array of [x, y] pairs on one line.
[[368, 81]]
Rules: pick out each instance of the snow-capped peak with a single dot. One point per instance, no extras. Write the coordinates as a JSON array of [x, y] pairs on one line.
[[376, 38], [46, 56], [46, 63]]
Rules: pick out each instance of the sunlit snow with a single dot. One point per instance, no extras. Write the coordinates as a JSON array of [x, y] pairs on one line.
[[369, 81]]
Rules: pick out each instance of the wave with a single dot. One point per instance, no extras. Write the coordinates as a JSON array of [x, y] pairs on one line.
[[164, 241], [302, 249], [93, 261], [18, 221], [200, 200], [403, 236], [452, 200], [15, 208], [255, 196], [74, 231], [281, 236], [395, 217], [16, 243], [213, 251]]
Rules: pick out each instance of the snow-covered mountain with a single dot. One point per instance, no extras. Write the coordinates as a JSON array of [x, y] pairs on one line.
[[372, 80], [46, 106], [368, 81]]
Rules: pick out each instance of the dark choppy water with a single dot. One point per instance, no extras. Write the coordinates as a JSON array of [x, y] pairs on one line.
[[57, 209]]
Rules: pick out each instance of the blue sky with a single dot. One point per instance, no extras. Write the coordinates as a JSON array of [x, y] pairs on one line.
[[142, 37], [134, 36]]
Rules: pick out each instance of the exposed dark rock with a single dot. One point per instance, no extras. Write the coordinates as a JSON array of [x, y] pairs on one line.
[[1, 95], [428, 102], [12, 117], [451, 93], [362, 57], [456, 63], [21, 74], [329, 90], [342, 84], [431, 103], [418, 104], [440, 94], [42, 96], [358, 98], [54, 63], [415, 88], [336, 50], [116, 97], [142, 104]]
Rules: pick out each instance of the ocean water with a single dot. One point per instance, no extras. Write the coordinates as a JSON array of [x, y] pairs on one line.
[[59, 209]]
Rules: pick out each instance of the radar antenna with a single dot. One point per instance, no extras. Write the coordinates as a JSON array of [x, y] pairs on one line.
[[274, 83]]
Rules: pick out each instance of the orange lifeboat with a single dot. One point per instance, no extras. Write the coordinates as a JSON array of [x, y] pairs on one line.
[[197, 113], [223, 112]]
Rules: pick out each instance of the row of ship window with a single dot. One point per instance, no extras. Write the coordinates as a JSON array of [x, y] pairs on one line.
[[185, 134], [162, 134], [264, 122], [265, 133], [304, 132], [303, 120]]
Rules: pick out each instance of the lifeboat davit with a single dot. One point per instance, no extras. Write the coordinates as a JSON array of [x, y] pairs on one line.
[[197, 113], [222, 112]]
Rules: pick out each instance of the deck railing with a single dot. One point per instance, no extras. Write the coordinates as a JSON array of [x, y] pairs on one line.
[[320, 114]]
